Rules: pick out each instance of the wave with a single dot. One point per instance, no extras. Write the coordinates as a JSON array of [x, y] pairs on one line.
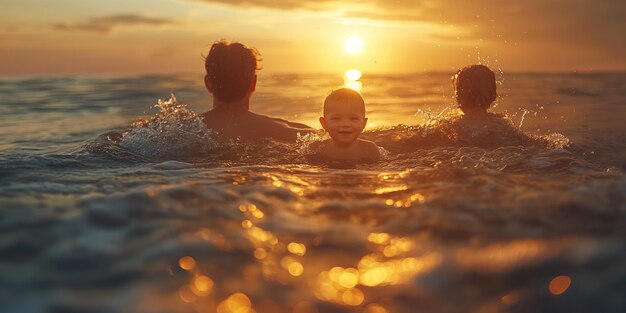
[[176, 132], [454, 204]]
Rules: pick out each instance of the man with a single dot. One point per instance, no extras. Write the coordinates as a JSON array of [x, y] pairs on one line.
[[231, 78]]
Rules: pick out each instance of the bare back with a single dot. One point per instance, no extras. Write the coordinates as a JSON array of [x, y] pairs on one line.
[[249, 126]]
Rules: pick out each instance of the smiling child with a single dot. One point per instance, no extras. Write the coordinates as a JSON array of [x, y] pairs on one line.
[[344, 120]]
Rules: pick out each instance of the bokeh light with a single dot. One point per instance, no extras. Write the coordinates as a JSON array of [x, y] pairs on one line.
[[296, 248], [560, 284], [202, 285], [187, 263]]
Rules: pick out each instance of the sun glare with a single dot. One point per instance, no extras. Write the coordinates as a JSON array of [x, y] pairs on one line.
[[353, 75], [351, 79], [353, 44]]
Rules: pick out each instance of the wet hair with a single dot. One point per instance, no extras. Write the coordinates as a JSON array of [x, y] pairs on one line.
[[230, 67], [343, 95], [475, 87]]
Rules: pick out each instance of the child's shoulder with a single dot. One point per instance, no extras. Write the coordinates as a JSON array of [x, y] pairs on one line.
[[316, 145], [366, 144], [369, 149], [322, 148]]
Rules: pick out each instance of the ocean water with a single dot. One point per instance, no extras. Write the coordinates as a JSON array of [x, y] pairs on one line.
[[520, 214]]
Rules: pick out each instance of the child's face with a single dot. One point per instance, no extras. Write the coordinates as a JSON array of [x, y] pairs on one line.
[[344, 121]]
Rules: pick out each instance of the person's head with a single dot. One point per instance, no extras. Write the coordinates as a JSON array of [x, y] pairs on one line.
[[344, 115], [231, 70], [475, 88]]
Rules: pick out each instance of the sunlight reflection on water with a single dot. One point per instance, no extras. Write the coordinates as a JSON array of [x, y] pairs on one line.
[[440, 225], [352, 80]]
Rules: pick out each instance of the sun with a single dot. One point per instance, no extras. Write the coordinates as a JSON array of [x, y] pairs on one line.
[[353, 44]]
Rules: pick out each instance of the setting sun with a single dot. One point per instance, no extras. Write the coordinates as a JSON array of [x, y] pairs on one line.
[[353, 45]]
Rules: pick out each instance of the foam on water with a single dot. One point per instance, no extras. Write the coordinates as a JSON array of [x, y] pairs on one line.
[[175, 131]]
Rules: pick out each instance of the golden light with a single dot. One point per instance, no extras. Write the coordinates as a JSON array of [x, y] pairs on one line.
[[202, 285], [418, 197], [296, 248], [352, 75], [334, 273], [374, 308], [236, 303], [391, 272], [349, 278], [295, 269], [510, 298], [260, 253], [559, 285], [373, 276], [353, 44], [262, 235], [245, 207], [353, 297], [187, 263], [351, 80], [257, 213], [378, 238], [246, 224], [357, 86], [384, 190], [502, 257]]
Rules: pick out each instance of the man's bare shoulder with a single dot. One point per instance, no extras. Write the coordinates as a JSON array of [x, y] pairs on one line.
[[278, 121], [207, 116], [278, 128], [249, 125]]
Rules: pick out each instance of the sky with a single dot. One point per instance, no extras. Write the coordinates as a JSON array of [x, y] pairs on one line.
[[126, 37]]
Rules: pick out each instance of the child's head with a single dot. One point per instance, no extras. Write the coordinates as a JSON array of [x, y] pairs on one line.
[[344, 115], [475, 88]]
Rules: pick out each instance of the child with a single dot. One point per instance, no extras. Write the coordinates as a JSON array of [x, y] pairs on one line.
[[344, 120], [475, 89]]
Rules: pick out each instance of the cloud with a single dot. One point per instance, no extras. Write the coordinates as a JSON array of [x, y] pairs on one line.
[[535, 20], [107, 24], [278, 4], [569, 22]]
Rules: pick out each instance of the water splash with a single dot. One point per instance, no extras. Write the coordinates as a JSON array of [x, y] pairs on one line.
[[521, 122], [304, 142], [556, 140], [175, 131]]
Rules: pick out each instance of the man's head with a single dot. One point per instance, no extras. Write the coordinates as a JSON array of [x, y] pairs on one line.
[[475, 88], [231, 70], [344, 115]]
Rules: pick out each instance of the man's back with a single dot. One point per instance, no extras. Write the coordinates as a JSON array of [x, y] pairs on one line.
[[231, 79], [249, 126]]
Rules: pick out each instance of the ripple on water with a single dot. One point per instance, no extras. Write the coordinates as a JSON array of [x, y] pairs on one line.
[[177, 221]]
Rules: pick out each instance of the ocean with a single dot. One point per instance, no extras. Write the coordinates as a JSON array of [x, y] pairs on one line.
[[100, 214]]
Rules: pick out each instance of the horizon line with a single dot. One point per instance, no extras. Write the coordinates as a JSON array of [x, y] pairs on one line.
[[281, 72]]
